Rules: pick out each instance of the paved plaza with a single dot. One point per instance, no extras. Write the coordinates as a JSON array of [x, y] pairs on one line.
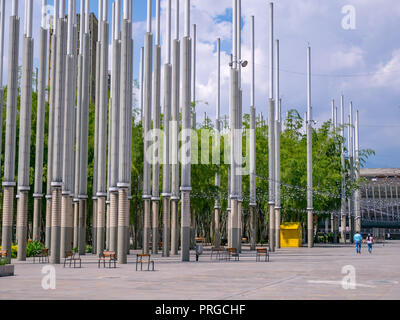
[[323, 272]]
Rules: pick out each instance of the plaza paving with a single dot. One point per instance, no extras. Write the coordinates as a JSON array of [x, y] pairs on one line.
[[291, 274]]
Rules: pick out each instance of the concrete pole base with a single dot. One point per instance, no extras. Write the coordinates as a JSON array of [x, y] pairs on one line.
[[22, 223], [113, 222], [155, 211], [253, 228], [217, 234], [272, 227], [166, 226], [55, 226], [185, 226], [123, 221], [76, 225], [147, 228], [94, 226], [310, 229], [82, 226], [48, 224], [101, 208], [277, 228], [174, 227], [37, 210], [8, 209]]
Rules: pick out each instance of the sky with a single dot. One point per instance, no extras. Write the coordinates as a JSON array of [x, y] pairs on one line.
[[363, 63]]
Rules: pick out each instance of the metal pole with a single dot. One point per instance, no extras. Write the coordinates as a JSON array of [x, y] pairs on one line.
[[166, 192], [310, 217], [102, 130], [217, 207], [194, 53], [343, 190], [68, 147], [146, 129], [156, 126], [125, 141], [56, 182], [115, 127], [186, 139], [277, 154], [25, 134], [357, 177], [253, 200], [40, 123], [175, 135], [351, 160]]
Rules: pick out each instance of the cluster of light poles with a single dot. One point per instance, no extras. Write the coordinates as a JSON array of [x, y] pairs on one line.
[[67, 158]]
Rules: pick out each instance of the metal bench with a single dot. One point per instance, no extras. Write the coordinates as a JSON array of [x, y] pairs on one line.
[[218, 251], [141, 258], [262, 252], [108, 256], [232, 252], [70, 256]]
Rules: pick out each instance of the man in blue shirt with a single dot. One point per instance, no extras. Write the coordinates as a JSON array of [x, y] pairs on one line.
[[357, 239]]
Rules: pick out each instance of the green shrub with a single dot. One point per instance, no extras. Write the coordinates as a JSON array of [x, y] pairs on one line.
[[3, 262], [89, 249], [33, 248]]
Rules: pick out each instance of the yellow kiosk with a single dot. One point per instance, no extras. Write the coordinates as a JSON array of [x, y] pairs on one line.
[[291, 235]]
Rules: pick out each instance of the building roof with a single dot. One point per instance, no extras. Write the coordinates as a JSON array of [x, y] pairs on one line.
[[379, 172]]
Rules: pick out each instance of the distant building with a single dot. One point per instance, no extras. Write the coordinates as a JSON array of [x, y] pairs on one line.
[[380, 199]]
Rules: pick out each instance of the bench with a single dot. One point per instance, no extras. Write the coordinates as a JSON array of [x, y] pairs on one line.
[[70, 256], [141, 258], [3, 253], [159, 245], [218, 252], [262, 252], [232, 252], [43, 255], [108, 256]]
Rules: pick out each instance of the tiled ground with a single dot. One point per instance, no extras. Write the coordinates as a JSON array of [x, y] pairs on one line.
[[291, 274]]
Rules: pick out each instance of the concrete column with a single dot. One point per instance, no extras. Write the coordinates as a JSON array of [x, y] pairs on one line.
[[186, 149], [40, 122], [9, 160], [357, 195], [343, 194], [123, 224]]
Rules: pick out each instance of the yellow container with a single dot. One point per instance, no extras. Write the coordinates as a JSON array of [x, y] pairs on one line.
[[291, 235]]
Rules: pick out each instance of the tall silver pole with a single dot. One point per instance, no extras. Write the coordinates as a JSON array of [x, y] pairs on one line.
[[271, 133], [175, 135], [125, 140], [56, 182], [25, 134], [343, 195], [115, 128], [156, 126], [277, 154], [253, 200], [68, 136], [2, 21], [166, 192], [310, 217], [217, 207], [194, 56], [141, 74], [351, 160], [186, 138], [102, 130], [146, 128], [84, 123], [357, 195], [40, 122]]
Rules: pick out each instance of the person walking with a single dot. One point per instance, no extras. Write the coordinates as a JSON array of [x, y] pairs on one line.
[[370, 241], [357, 239]]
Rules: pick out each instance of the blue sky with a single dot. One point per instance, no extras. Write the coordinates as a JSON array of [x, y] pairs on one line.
[[363, 64]]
